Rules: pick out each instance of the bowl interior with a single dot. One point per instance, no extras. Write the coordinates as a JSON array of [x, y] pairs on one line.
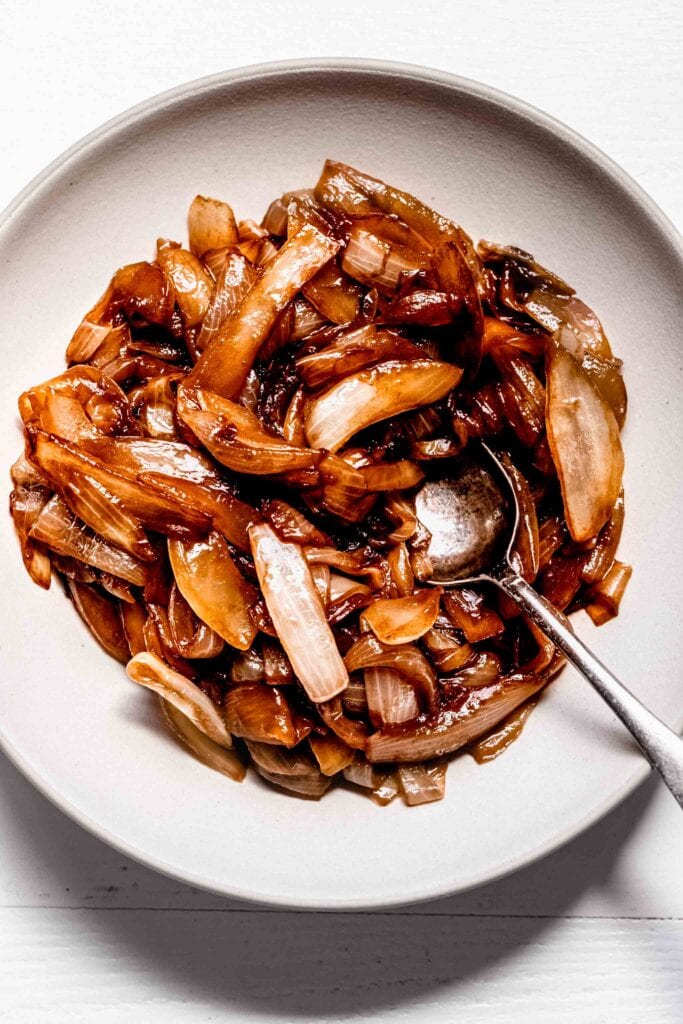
[[91, 739]]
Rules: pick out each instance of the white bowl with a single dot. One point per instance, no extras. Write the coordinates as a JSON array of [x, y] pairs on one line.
[[91, 740]]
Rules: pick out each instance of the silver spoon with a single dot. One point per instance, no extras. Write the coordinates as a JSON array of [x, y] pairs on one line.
[[473, 516]]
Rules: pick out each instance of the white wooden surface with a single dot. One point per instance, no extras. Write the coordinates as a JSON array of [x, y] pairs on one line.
[[593, 933]]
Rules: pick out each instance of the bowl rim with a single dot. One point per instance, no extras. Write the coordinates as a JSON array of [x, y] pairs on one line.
[[388, 69]]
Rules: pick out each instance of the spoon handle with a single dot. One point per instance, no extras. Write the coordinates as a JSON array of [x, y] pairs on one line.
[[662, 747]]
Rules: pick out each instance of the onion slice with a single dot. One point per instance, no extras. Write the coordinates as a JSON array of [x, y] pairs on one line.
[[236, 437], [261, 713], [211, 225], [150, 671], [214, 588], [226, 361], [205, 749], [298, 614], [477, 711], [423, 784], [401, 620], [390, 698], [373, 395], [102, 616], [585, 445]]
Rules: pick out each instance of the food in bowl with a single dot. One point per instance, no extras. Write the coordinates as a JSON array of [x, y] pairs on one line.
[[223, 479]]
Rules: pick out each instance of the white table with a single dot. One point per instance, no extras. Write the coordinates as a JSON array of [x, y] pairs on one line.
[[593, 933]]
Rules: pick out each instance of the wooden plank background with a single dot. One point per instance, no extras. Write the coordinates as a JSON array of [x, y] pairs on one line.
[[591, 934]]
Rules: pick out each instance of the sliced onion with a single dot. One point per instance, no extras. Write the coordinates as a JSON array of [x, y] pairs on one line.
[[383, 784], [211, 225], [474, 714], [423, 784], [209, 753], [373, 395], [102, 617], [351, 352], [482, 670], [307, 320], [86, 340], [292, 525], [277, 669], [248, 667], [378, 263], [134, 617], [280, 761], [104, 406], [468, 611], [58, 459], [236, 437], [389, 697], [103, 513], [224, 364], [331, 753], [59, 529], [447, 652], [503, 734], [401, 572], [354, 563], [258, 712], [193, 286], [236, 277], [214, 588], [392, 476], [298, 614], [368, 652], [525, 552], [157, 410], [150, 671], [585, 445], [313, 786], [401, 620], [605, 596], [143, 291], [192, 637], [602, 555], [332, 293]]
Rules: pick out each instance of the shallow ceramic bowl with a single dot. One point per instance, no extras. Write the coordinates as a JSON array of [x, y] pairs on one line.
[[91, 740]]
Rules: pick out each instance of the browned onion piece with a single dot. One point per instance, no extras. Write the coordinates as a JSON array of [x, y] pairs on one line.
[[422, 783], [236, 437], [349, 730], [468, 611], [447, 652], [192, 637], [605, 596], [291, 524], [332, 293], [279, 761], [211, 225], [57, 459], [313, 785], [525, 552], [193, 286], [150, 671], [373, 395], [224, 364], [206, 750], [482, 670], [248, 667], [297, 614], [401, 620], [58, 529], [102, 617], [601, 557], [473, 714], [331, 753], [134, 617], [157, 409], [236, 277], [104, 407], [143, 292], [355, 563], [585, 444], [368, 652], [378, 263], [354, 351], [389, 697], [400, 569], [257, 712], [383, 785], [392, 476], [214, 588]]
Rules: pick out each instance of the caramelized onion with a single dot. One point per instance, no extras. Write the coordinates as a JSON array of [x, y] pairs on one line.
[[214, 588], [373, 395], [211, 225], [480, 709], [422, 783], [257, 712], [401, 620], [368, 652], [205, 749], [150, 671], [224, 364], [389, 697], [297, 614], [585, 444], [102, 617]]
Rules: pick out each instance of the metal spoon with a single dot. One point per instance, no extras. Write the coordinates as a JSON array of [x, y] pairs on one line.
[[473, 516]]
